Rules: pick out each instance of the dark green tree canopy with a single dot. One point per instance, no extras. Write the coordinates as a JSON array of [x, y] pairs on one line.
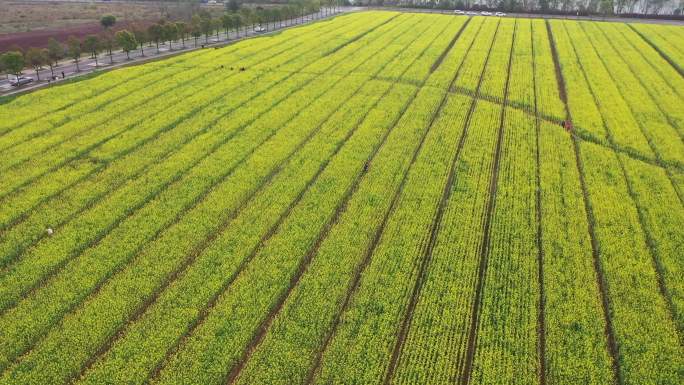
[[13, 62], [108, 21]]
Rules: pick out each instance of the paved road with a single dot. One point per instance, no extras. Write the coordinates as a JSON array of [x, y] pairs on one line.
[[87, 65]]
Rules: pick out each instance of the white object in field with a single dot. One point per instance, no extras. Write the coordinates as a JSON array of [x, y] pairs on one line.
[[49, 231]]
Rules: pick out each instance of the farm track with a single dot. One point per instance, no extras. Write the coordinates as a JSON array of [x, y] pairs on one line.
[[658, 49], [657, 265], [185, 210], [541, 310], [605, 300], [243, 263], [484, 247]]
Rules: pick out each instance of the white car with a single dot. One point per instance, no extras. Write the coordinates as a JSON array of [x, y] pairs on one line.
[[485, 13], [500, 14], [16, 81], [259, 29], [471, 13], [459, 12]]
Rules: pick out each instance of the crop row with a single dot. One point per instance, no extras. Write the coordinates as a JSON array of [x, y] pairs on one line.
[[576, 348], [415, 207], [302, 123], [469, 76], [549, 103], [165, 184], [664, 40], [143, 130], [507, 292], [585, 116], [521, 89], [496, 71], [444, 285], [657, 62], [629, 283], [506, 349], [99, 105], [662, 217]]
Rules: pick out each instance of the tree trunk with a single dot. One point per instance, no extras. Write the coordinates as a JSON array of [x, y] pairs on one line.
[[157, 47], [37, 74], [128, 57], [52, 70]]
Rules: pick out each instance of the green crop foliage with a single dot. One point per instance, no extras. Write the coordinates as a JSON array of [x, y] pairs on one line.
[[375, 197]]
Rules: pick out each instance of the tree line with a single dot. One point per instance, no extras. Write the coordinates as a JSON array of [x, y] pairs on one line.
[[200, 27]]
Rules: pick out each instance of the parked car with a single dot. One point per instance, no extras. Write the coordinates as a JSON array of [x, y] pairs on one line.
[[500, 14], [259, 29], [485, 13], [459, 12], [17, 81], [471, 13]]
